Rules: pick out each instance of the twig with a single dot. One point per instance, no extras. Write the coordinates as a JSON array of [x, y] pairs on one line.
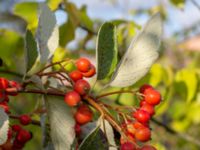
[[180, 135], [34, 122], [196, 4], [116, 92]]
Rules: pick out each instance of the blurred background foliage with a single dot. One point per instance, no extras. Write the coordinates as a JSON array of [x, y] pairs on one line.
[[176, 74]]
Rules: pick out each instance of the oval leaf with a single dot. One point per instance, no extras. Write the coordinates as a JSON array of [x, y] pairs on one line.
[[106, 50], [30, 50], [47, 33], [4, 125], [141, 54], [95, 140], [61, 123]]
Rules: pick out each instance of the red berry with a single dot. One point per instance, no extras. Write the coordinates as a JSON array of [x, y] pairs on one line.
[[77, 129], [82, 87], [148, 108], [83, 115], [16, 127], [141, 116], [143, 102], [130, 128], [3, 83], [143, 134], [144, 87], [72, 98], [152, 97], [139, 125], [15, 84], [23, 136], [5, 106], [10, 133], [17, 145], [25, 119], [91, 72], [148, 147], [75, 75], [12, 91], [83, 64], [128, 146]]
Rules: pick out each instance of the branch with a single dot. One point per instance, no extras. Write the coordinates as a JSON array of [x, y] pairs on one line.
[[11, 73], [183, 136], [196, 4], [34, 122]]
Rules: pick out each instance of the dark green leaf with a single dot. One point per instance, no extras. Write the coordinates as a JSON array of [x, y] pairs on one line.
[[30, 50], [67, 33], [96, 140], [106, 50]]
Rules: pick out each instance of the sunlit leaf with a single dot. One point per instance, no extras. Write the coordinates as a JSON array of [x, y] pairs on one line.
[[4, 125], [53, 4], [28, 11], [190, 79], [61, 123], [47, 33], [178, 3], [106, 50], [141, 54]]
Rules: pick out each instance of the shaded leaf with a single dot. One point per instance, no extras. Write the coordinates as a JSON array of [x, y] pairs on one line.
[[13, 22], [95, 140], [61, 123], [67, 33], [31, 52], [4, 125], [106, 50], [141, 54], [47, 33]]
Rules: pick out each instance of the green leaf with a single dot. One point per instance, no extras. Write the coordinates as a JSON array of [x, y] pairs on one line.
[[67, 32], [95, 140], [178, 3], [47, 33], [190, 79], [53, 4], [106, 50], [61, 123], [31, 52], [29, 12], [140, 56], [13, 22], [4, 125]]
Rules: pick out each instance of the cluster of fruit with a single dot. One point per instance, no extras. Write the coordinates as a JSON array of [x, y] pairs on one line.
[[7, 88], [17, 135], [81, 87], [138, 129]]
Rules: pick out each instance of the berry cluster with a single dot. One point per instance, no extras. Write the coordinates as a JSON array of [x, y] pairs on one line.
[[81, 88], [138, 129], [17, 135], [7, 88]]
